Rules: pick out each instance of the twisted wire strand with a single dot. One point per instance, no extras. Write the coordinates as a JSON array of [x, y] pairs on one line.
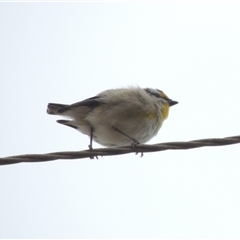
[[141, 148]]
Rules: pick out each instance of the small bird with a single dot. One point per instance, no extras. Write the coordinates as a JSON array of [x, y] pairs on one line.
[[117, 117]]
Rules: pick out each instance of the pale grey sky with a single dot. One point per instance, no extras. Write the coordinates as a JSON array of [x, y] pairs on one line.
[[66, 52]]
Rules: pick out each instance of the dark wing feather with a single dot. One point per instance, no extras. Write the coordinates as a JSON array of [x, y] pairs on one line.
[[89, 102]]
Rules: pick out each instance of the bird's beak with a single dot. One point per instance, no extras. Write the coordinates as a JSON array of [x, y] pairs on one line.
[[171, 102]]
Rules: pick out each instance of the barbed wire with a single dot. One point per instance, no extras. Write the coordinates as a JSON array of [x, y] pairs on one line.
[[210, 142]]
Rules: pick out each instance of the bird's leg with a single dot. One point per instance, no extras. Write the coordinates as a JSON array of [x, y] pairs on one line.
[[90, 145], [134, 143], [91, 138]]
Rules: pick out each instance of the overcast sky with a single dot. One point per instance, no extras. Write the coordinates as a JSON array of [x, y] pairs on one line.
[[66, 52]]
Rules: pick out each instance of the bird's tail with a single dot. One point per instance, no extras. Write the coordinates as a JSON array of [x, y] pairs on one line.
[[53, 108]]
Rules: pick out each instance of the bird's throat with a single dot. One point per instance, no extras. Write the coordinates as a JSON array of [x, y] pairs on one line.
[[165, 111]]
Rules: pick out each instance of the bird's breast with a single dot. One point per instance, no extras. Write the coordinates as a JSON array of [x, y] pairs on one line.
[[165, 111]]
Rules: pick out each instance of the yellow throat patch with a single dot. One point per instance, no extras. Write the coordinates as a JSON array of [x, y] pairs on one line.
[[165, 111]]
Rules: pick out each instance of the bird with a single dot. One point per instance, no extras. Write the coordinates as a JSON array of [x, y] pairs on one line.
[[117, 117]]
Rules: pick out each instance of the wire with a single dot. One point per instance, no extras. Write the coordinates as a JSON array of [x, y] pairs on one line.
[[210, 142]]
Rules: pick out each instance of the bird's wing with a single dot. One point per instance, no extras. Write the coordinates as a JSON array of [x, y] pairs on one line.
[[89, 102]]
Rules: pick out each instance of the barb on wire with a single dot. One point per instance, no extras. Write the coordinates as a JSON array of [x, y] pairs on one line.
[[122, 150]]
